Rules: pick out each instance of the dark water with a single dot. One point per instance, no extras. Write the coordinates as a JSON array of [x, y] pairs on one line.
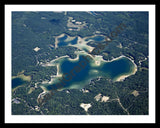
[[117, 67], [77, 74], [96, 38], [62, 41], [74, 41], [17, 81]]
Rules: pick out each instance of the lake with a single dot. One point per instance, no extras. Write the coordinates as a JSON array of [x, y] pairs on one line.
[[77, 73], [17, 82]]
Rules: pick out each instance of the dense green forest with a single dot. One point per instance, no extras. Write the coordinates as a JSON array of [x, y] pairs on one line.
[[38, 29]]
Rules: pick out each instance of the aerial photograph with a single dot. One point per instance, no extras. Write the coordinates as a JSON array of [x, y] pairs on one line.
[[80, 63]]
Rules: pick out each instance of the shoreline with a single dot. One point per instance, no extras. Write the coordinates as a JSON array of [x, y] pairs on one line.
[[81, 41], [98, 59], [56, 39], [123, 77], [82, 45], [117, 58], [23, 77]]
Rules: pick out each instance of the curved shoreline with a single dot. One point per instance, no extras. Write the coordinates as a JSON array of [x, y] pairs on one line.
[[23, 77], [97, 60], [123, 77], [81, 41]]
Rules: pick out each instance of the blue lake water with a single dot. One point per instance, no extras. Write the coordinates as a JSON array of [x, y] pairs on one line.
[[16, 82], [62, 41], [77, 74], [96, 38], [74, 41]]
